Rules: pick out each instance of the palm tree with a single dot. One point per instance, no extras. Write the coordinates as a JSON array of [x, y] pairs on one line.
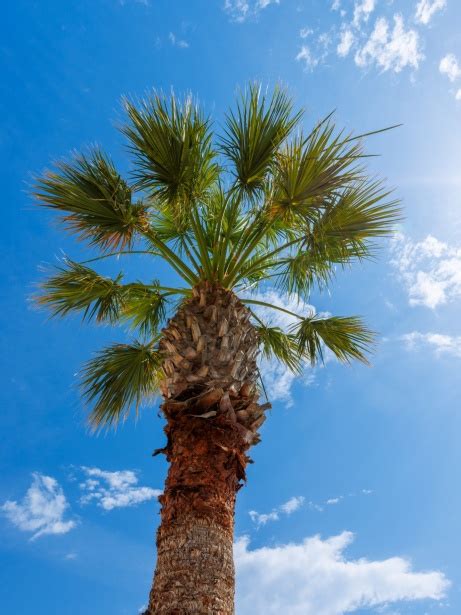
[[261, 204]]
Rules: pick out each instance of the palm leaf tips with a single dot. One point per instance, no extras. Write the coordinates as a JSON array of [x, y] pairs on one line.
[[275, 343], [119, 377], [172, 146], [346, 337], [95, 200], [77, 288], [254, 133]]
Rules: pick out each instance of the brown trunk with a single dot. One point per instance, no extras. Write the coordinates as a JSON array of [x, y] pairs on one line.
[[210, 404]]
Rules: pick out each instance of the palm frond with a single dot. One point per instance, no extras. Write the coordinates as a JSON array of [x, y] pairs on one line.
[[172, 146], [358, 214], [283, 346], [347, 338], [254, 133], [77, 288], [299, 273], [308, 171], [119, 377], [95, 200], [145, 307]]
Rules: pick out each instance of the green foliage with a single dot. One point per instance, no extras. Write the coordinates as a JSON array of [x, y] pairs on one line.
[[77, 288], [173, 150], [283, 346], [347, 338], [145, 308], [118, 377], [283, 208], [95, 200], [309, 171], [254, 133]]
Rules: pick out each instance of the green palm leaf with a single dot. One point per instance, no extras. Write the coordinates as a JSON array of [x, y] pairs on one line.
[[119, 377], [347, 338], [175, 160], [77, 288], [254, 133], [144, 307], [308, 171], [287, 211], [95, 200], [283, 346]]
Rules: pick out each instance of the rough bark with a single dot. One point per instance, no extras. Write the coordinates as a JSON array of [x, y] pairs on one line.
[[212, 413]]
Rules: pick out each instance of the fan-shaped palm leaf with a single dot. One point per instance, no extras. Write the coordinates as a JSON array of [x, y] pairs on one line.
[[119, 377], [96, 201], [347, 338], [174, 155], [77, 288], [254, 133]]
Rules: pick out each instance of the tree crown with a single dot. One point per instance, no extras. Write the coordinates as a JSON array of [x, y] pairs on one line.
[[260, 203]]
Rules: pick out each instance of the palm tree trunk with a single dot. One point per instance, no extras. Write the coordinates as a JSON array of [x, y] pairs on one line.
[[210, 404]]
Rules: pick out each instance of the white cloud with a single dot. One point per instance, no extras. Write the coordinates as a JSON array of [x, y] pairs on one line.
[[263, 518], [262, 4], [241, 10], [305, 32], [176, 42], [292, 505], [426, 9], [333, 501], [315, 506], [439, 343], [288, 508], [345, 43], [41, 510], [449, 66], [315, 578], [390, 49], [114, 489], [429, 269], [238, 10], [306, 56], [70, 556], [362, 11]]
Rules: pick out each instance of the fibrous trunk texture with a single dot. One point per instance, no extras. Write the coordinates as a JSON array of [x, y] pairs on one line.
[[210, 405]]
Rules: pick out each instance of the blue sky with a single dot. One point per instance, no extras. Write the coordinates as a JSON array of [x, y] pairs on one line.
[[353, 503]]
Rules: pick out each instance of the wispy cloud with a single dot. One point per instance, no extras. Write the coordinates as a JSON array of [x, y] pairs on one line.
[[449, 345], [362, 11], [429, 269], [307, 58], [449, 66], [241, 10], [426, 9], [114, 489], [177, 42], [346, 41], [305, 32], [332, 501], [297, 502], [386, 44], [314, 577], [288, 508], [390, 48], [42, 509]]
